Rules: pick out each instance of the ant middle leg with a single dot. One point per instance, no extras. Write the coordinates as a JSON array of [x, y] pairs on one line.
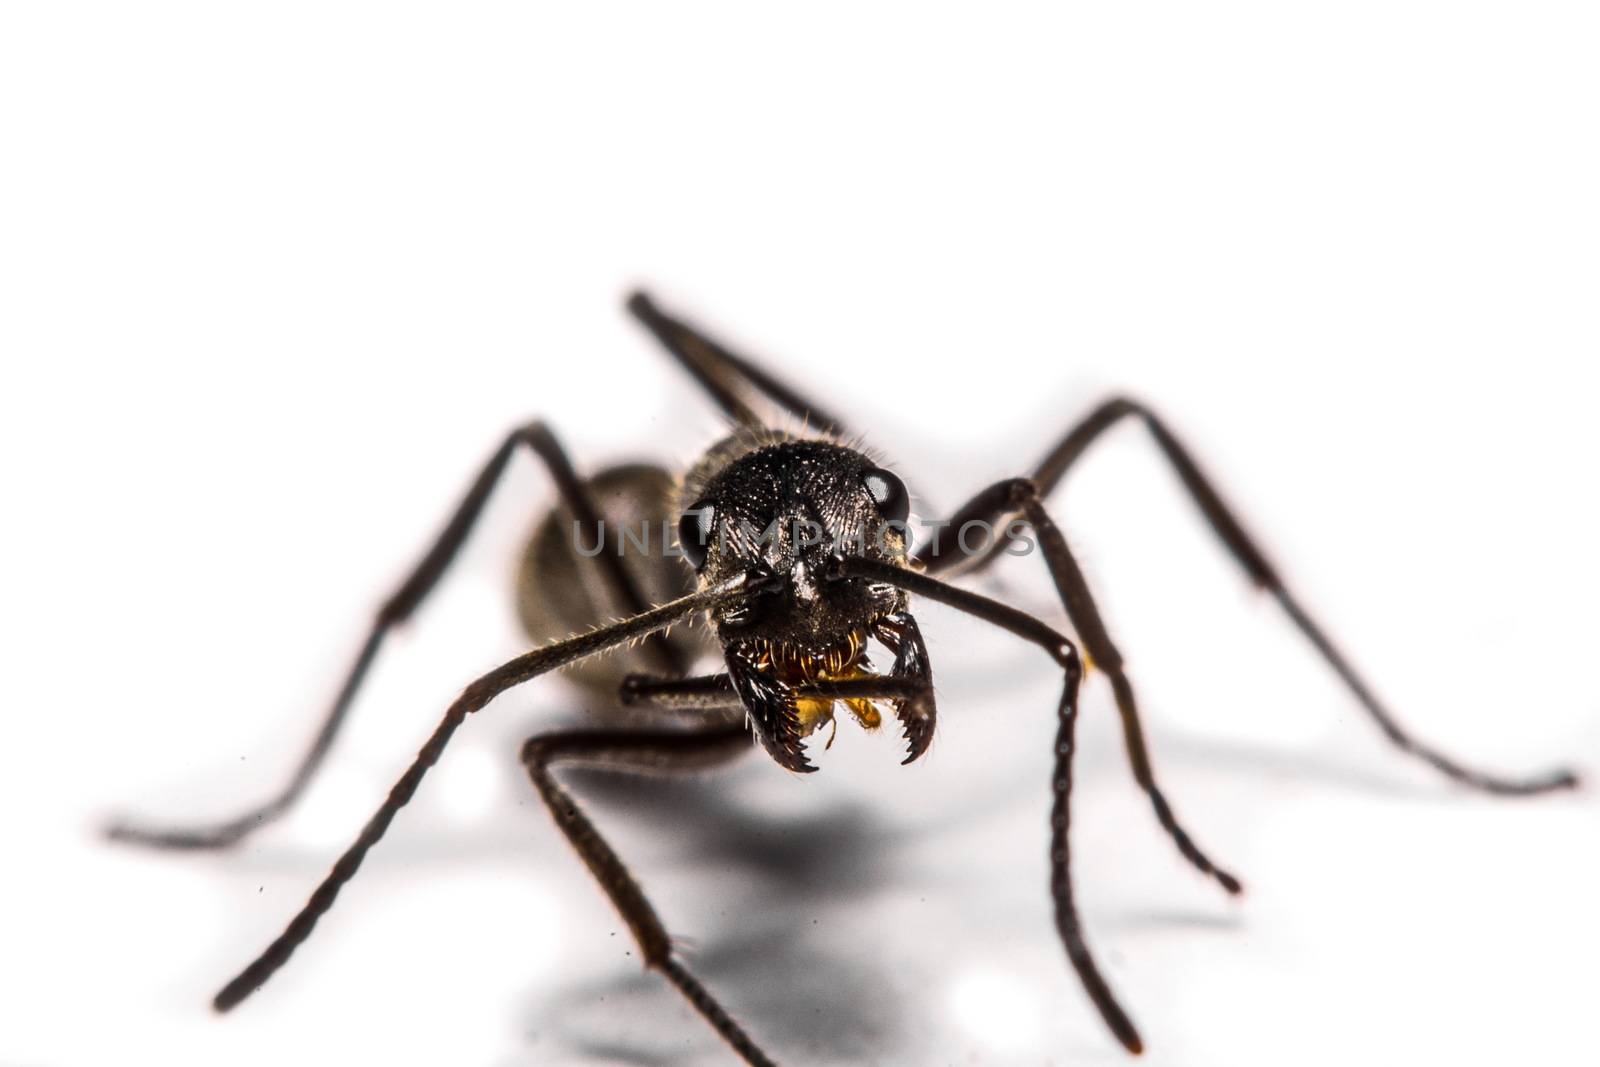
[[576, 498], [1225, 524]]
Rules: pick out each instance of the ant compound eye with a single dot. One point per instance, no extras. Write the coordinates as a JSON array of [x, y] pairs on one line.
[[889, 493], [694, 533]]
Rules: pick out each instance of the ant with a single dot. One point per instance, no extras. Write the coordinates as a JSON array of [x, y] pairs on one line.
[[792, 613]]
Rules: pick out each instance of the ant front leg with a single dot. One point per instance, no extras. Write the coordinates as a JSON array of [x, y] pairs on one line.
[[1030, 629], [474, 698], [672, 751], [996, 505], [400, 606]]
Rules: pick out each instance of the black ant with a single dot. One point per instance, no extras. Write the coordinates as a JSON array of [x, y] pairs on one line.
[[799, 555]]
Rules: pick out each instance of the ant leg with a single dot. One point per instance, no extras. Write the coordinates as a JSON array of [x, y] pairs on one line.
[[1228, 529], [657, 751], [1020, 496], [1065, 655], [722, 372], [397, 609], [728, 376], [524, 668], [711, 695]]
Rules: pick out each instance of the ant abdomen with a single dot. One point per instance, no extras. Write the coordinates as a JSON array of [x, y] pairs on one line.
[[563, 586]]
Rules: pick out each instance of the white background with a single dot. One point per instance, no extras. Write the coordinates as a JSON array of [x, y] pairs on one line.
[[273, 280]]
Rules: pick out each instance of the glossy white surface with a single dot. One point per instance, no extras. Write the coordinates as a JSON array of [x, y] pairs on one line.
[[277, 282]]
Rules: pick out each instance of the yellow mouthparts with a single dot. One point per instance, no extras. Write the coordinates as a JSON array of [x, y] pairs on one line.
[[835, 663]]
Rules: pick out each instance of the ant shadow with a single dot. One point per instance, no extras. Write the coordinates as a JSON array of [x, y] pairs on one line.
[[793, 980], [816, 993], [805, 988]]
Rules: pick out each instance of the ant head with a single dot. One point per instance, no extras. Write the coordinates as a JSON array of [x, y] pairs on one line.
[[781, 513]]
